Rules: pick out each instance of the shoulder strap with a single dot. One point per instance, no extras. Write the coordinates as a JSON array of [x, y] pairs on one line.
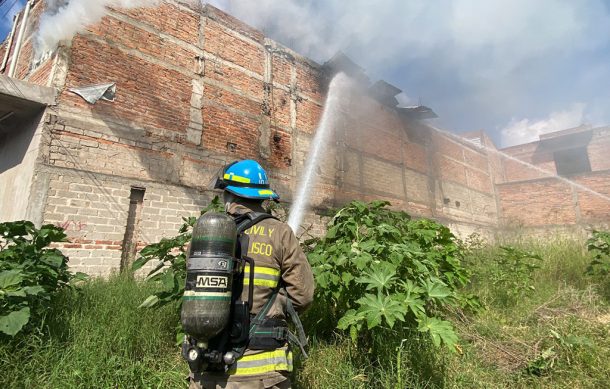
[[249, 219]]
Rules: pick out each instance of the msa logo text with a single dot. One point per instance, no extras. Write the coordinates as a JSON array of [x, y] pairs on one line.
[[211, 281]]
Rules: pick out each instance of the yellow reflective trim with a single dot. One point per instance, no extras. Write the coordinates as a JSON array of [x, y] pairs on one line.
[[233, 177], [262, 369], [279, 360], [263, 270], [264, 355], [269, 283], [265, 192]]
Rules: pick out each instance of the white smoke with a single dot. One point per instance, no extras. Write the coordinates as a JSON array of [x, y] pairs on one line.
[[477, 63], [63, 19], [506, 31], [526, 130]]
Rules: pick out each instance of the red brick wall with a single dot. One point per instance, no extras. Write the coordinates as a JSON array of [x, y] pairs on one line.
[[148, 95], [594, 203], [540, 202], [598, 150], [25, 68], [262, 101], [535, 201]]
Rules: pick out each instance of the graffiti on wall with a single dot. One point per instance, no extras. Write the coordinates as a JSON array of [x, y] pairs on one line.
[[72, 226]]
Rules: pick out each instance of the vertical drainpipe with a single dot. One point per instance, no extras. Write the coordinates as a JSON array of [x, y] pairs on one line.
[[12, 70], [10, 43]]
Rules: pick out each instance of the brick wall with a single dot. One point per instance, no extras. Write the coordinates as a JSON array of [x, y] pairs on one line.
[[190, 99], [529, 199], [197, 88], [37, 72]]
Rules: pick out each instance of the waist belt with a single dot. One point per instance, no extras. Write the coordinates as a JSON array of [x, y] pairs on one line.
[[268, 336]]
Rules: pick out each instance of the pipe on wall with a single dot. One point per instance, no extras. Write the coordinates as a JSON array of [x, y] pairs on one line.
[[10, 43], [20, 37]]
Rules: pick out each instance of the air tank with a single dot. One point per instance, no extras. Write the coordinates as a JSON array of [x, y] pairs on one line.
[[206, 305]]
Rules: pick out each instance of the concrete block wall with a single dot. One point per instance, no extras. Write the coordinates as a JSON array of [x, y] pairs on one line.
[[93, 209]]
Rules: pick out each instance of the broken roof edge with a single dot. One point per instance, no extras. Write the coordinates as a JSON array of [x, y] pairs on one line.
[[569, 131], [24, 90], [341, 62], [418, 112]]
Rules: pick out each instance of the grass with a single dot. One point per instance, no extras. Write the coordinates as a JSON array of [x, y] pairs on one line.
[[96, 337], [556, 336]]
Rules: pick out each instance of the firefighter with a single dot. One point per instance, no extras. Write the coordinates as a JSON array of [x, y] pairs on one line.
[[280, 265]]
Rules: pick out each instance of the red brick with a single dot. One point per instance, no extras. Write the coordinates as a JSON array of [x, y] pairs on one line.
[[169, 19], [222, 44], [151, 97]]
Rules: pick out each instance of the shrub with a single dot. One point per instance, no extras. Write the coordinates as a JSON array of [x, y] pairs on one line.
[[377, 268], [599, 246], [513, 272], [30, 273]]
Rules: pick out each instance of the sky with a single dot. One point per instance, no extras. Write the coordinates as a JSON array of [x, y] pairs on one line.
[[514, 68]]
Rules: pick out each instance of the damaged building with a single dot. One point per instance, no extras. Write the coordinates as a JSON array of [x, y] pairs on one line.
[[116, 133]]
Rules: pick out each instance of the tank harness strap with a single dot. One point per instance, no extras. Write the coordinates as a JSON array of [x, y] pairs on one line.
[[249, 219], [244, 222], [257, 324], [301, 340]]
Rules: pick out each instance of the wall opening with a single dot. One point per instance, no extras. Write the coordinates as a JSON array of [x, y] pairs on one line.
[[572, 161], [130, 241]]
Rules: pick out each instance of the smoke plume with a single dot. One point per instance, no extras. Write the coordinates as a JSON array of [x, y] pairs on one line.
[[63, 18], [526, 130], [478, 64]]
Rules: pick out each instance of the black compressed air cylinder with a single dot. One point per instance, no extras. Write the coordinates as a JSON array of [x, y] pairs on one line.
[[206, 305]]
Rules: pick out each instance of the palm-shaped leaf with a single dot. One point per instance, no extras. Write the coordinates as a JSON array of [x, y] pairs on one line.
[[436, 289], [381, 278], [440, 331], [376, 308]]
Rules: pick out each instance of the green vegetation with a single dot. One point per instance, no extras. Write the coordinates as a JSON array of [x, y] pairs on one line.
[[30, 274], [97, 337], [377, 270], [544, 321], [599, 246]]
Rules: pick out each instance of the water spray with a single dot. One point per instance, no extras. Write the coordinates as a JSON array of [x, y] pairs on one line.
[[502, 154], [329, 117]]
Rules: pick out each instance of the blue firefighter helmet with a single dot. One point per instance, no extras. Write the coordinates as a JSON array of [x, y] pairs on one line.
[[246, 179]]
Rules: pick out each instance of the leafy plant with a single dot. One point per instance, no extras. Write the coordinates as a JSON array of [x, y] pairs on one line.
[[30, 273], [379, 269], [599, 246], [170, 255], [513, 272], [562, 347]]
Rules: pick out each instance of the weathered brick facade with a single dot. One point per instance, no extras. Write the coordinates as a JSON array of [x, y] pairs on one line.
[[540, 194], [197, 88]]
